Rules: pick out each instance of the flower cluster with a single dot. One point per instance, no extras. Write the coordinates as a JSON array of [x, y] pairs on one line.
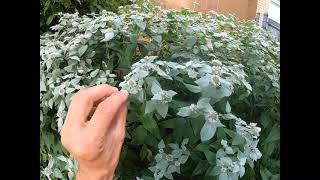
[[168, 163]]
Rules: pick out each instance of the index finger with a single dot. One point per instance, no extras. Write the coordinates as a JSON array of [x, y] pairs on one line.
[[107, 110], [83, 101]]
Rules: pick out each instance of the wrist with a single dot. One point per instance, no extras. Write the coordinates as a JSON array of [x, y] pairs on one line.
[[92, 174]]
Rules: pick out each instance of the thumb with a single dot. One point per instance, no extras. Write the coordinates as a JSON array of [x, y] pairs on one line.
[[107, 110]]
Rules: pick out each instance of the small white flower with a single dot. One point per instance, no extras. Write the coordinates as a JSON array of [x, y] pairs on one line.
[[215, 81], [189, 64], [212, 116], [160, 150], [223, 169], [169, 157], [193, 108], [254, 126], [61, 91], [217, 70], [61, 114], [177, 163]]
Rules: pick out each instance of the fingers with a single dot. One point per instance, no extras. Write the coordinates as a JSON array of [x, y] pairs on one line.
[[119, 124], [83, 101], [107, 111]]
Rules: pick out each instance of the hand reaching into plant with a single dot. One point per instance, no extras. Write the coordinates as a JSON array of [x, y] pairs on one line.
[[96, 144]]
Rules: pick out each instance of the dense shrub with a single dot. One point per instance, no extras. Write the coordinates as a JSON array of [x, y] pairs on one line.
[[49, 9], [204, 91]]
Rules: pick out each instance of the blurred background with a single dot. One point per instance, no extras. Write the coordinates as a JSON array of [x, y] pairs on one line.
[[265, 12]]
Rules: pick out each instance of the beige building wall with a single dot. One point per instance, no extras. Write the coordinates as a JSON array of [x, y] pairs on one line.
[[242, 9], [262, 7]]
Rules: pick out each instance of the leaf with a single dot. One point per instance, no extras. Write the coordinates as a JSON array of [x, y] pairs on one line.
[[274, 135], [108, 35], [248, 86], [177, 153], [161, 144], [197, 124], [231, 133], [191, 40], [223, 176], [203, 103], [211, 157], [70, 175], [171, 169], [193, 88], [183, 159], [141, 24], [62, 106], [125, 61], [264, 174], [49, 20], [201, 167], [162, 165], [94, 73], [173, 146], [162, 109], [42, 86], [215, 171], [70, 90], [139, 135], [75, 58], [150, 107], [57, 173], [173, 123], [185, 141], [151, 125], [208, 130], [157, 38], [162, 73], [155, 88], [228, 107], [202, 147], [62, 158], [184, 111], [238, 140], [203, 81], [265, 120], [169, 176], [82, 50]]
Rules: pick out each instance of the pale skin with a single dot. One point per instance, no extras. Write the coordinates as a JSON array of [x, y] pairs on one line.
[[96, 143]]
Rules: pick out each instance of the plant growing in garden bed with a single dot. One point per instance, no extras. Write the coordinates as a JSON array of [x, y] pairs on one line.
[[202, 87]]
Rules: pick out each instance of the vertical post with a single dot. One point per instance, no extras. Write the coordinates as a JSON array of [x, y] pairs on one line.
[[257, 18], [265, 21]]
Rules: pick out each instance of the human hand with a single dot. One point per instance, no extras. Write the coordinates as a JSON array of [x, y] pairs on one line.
[[96, 144]]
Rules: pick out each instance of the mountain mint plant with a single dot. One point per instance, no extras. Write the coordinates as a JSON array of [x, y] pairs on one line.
[[203, 91]]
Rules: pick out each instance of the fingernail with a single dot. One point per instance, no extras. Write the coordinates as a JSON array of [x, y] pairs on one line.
[[115, 88], [125, 92]]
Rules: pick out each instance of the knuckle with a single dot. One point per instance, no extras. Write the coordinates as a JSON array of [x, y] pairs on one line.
[[104, 105], [80, 94]]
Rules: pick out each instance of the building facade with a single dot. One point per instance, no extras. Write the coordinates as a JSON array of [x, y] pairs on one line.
[[242, 9], [268, 16]]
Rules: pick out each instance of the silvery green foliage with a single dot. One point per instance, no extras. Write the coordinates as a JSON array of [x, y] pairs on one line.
[[59, 164], [189, 75], [146, 71], [168, 163], [67, 65], [231, 160]]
